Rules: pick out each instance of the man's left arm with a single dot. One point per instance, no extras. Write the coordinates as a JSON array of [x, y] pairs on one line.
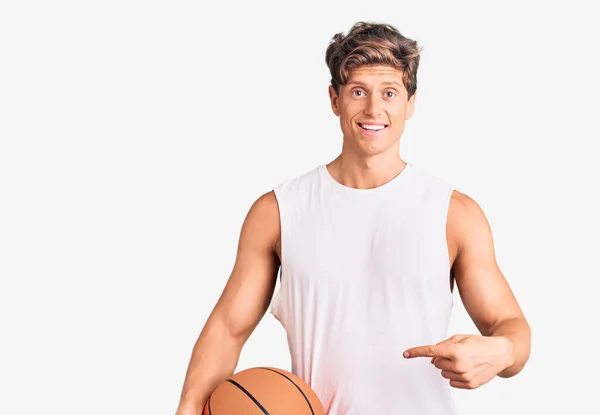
[[484, 291]]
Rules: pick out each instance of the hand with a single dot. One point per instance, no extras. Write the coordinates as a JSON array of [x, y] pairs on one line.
[[467, 361]]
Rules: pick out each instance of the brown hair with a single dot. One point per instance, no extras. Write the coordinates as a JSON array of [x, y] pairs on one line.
[[368, 44]]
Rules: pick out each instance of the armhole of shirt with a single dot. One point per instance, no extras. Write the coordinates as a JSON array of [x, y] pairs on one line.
[[448, 199], [279, 197], [276, 306]]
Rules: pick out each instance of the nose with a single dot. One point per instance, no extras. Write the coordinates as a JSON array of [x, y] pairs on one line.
[[374, 106]]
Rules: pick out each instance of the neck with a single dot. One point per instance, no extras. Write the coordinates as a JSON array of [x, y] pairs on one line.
[[362, 172]]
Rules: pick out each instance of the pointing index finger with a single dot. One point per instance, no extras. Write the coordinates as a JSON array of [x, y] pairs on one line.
[[442, 349], [423, 351]]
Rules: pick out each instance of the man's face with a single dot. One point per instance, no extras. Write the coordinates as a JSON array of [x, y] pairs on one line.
[[372, 106]]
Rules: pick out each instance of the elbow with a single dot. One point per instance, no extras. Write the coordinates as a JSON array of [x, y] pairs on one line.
[[520, 351], [512, 371]]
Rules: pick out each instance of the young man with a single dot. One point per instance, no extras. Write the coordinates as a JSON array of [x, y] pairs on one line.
[[370, 248]]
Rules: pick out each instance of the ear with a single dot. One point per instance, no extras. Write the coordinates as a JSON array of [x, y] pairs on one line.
[[410, 106], [334, 101]]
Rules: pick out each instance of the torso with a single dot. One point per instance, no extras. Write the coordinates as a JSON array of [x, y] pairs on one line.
[[365, 275]]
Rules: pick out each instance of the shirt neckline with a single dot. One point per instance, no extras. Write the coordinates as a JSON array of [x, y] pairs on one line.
[[390, 183]]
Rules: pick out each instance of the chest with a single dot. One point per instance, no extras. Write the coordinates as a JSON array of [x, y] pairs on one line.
[[385, 243], [381, 243]]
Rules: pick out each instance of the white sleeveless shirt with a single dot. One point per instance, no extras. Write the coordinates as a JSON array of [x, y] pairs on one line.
[[365, 275]]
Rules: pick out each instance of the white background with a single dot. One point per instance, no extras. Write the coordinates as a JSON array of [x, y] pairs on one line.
[[135, 135]]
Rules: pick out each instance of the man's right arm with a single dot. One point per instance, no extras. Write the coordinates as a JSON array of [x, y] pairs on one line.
[[242, 304]]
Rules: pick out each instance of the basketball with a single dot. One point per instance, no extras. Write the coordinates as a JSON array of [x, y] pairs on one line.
[[263, 391]]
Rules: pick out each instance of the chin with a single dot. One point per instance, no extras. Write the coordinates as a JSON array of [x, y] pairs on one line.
[[372, 149]]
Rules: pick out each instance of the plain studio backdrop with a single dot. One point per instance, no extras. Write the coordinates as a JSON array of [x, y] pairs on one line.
[[135, 136]]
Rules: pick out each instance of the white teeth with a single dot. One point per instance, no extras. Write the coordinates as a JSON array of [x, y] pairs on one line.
[[373, 127]]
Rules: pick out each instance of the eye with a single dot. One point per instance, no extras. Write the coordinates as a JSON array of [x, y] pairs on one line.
[[391, 92], [355, 91]]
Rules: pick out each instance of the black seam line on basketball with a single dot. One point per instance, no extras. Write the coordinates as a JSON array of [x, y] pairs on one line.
[[209, 410], [262, 408], [297, 387]]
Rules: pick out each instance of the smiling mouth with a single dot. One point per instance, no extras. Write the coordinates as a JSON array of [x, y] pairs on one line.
[[372, 128]]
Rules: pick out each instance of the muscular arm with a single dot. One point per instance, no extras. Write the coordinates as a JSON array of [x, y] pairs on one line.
[[483, 289], [241, 306]]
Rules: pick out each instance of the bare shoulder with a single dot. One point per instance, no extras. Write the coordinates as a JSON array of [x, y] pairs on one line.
[[262, 221], [463, 206], [467, 222], [265, 207]]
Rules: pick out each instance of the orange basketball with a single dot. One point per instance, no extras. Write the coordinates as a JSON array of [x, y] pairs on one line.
[[263, 391]]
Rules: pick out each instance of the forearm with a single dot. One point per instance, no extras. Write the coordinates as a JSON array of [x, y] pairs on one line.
[[214, 359], [518, 333]]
